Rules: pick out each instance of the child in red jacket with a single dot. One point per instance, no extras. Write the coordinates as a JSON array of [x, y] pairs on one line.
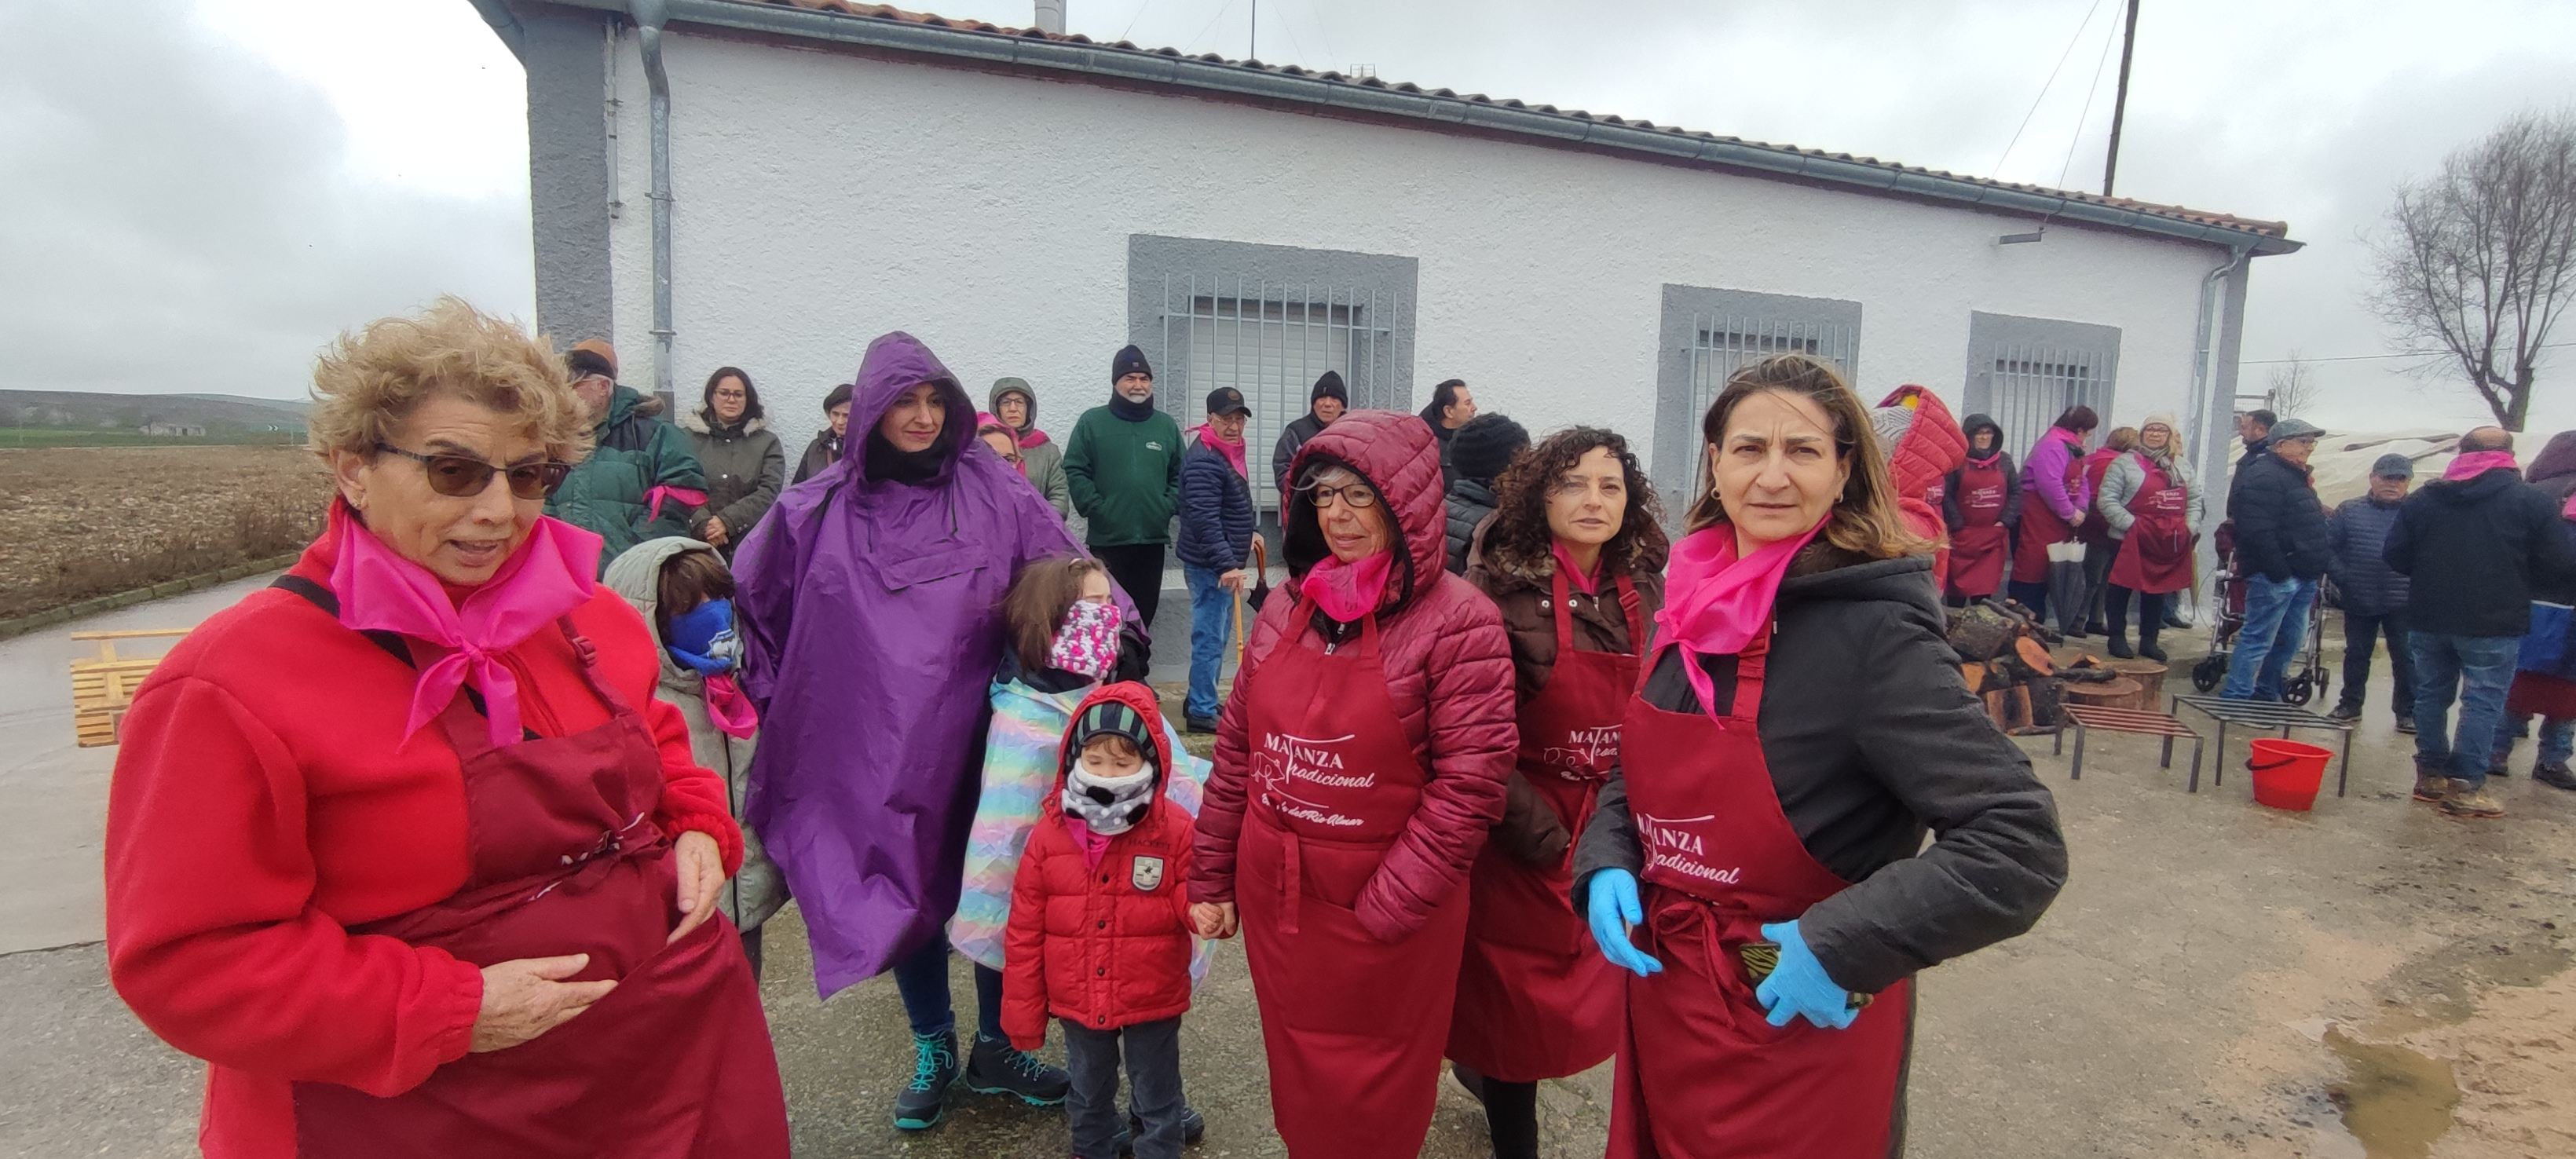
[[1100, 926]]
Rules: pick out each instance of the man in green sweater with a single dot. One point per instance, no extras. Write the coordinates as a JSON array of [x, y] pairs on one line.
[[1123, 465]]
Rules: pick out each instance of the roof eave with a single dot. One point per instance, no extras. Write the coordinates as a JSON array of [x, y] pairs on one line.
[[1168, 67]]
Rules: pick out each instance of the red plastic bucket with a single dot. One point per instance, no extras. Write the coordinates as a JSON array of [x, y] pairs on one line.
[[2287, 773]]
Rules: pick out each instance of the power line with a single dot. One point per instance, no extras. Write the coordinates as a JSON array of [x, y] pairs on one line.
[[1221, 10], [2044, 86], [2378, 357], [2089, 93], [1131, 21]]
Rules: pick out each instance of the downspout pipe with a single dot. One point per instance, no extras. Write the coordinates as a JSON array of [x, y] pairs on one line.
[[649, 17], [2211, 456]]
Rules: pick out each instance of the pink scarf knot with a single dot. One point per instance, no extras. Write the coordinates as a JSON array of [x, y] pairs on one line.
[[2476, 463], [1715, 604], [549, 576], [1348, 591], [1589, 583], [1233, 451]]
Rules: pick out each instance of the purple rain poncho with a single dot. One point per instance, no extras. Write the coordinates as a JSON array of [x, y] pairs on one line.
[[872, 615]]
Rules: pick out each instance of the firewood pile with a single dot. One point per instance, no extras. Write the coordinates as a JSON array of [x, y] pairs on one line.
[[2004, 657]]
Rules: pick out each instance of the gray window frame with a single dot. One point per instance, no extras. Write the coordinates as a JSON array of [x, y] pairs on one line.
[[1831, 325], [1994, 338]]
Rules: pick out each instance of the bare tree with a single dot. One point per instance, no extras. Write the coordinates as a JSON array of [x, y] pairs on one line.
[[2479, 260], [2293, 389]]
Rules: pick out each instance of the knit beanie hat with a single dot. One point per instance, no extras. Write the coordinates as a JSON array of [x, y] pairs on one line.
[[1485, 446], [1109, 805], [1129, 361], [1329, 385]]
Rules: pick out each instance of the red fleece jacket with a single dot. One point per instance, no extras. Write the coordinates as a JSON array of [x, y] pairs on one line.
[[265, 801]]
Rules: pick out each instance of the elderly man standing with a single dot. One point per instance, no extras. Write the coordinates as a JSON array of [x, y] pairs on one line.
[[2282, 547], [2475, 544], [2372, 594], [641, 481], [1123, 466]]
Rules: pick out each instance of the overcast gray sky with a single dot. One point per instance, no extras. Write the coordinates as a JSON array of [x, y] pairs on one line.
[[196, 194]]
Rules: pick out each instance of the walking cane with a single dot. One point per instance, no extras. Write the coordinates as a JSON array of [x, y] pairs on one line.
[[1260, 578]]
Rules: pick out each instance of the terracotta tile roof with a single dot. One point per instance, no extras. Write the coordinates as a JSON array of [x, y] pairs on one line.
[[2269, 229]]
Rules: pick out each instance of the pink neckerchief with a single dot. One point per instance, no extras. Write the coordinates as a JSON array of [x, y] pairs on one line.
[[1032, 437], [1715, 604], [1574, 573], [1233, 452], [1094, 846], [1348, 591], [543, 581], [728, 709], [2476, 463]]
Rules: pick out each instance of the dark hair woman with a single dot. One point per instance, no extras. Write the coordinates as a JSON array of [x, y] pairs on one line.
[[745, 463], [1981, 505], [1358, 767], [404, 846], [1574, 560], [825, 450], [2054, 498], [1801, 727]]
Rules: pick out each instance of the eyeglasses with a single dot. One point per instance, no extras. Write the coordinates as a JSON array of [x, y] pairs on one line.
[[1352, 495], [463, 476]]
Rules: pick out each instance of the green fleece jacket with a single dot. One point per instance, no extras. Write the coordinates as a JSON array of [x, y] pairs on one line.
[[1125, 476], [612, 493]]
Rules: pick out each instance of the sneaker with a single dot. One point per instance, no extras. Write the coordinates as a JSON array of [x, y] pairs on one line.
[[2406, 726], [2432, 788], [1193, 1129], [2498, 769], [2149, 650], [2467, 802], [1199, 725], [998, 1068], [2345, 712], [934, 1070], [2557, 776]]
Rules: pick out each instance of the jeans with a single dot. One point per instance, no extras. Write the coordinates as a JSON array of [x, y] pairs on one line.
[[1211, 634], [2361, 634], [1138, 568], [2476, 671], [2557, 739], [1153, 1051], [2276, 623], [922, 979]]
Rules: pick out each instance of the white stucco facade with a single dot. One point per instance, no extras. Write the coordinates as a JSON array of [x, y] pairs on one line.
[[822, 197]]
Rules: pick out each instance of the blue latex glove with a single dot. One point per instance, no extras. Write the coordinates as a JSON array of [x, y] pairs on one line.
[[1613, 908], [1799, 987]]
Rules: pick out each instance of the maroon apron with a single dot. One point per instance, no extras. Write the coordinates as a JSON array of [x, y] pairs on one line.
[[1701, 1075], [1353, 1026], [2156, 555], [565, 859], [2041, 527], [1536, 1000], [1978, 547]]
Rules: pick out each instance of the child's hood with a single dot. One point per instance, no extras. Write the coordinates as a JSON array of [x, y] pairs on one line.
[[637, 575], [1135, 696]]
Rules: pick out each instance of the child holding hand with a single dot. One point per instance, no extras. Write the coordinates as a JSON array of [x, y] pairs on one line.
[[1099, 932]]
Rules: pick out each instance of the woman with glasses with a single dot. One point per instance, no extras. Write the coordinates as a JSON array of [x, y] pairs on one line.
[[999, 439], [1574, 560], [744, 462], [1359, 763], [404, 846]]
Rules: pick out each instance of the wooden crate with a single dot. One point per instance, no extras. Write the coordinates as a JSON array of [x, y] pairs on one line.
[[103, 686]]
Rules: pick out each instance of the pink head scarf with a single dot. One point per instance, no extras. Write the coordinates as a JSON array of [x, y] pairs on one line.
[[1715, 604], [1348, 591], [2476, 463], [549, 576]]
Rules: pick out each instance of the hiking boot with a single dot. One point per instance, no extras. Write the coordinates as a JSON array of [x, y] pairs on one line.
[[920, 1104], [2148, 649], [2120, 649], [998, 1068], [1199, 725], [1193, 1129], [2467, 802], [2433, 788], [2556, 776], [2345, 712]]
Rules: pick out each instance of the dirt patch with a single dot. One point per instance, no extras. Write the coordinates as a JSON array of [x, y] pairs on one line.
[[77, 523]]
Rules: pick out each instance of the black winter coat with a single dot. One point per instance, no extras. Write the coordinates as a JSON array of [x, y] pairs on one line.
[[1873, 740], [2477, 551], [2359, 535], [1304, 427], [2280, 526], [1215, 511], [1470, 502]]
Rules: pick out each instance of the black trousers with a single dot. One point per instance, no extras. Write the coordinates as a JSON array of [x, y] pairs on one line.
[[1138, 569], [2361, 634], [2151, 613], [1153, 1055]]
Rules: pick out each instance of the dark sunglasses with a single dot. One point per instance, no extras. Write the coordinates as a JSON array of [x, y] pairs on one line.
[[463, 476]]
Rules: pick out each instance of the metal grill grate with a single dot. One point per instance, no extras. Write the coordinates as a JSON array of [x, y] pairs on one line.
[[2031, 385], [1271, 340], [1722, 344]]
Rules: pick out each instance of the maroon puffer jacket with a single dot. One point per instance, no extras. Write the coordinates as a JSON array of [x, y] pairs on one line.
[[1448, 669]]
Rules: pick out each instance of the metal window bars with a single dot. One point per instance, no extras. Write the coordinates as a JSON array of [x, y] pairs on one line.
[[1722, 344], [2030, 385], [1272, 340]]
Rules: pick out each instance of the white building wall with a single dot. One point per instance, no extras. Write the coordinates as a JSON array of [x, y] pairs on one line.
[[822, 199]]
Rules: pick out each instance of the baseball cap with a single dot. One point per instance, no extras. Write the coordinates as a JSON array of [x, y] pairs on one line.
[[1226, 400]]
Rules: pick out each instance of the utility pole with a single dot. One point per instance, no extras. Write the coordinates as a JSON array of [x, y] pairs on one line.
[[2120, 105]]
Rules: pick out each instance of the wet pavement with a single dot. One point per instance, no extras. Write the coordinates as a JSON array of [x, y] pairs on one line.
[[2217, 979]]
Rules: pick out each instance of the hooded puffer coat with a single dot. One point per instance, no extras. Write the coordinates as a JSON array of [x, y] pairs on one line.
[[1041, 457], [1448, 670], [1106, 946], [1928, 446], [640, 481], [870, 610], [750, 896], [745, 466]]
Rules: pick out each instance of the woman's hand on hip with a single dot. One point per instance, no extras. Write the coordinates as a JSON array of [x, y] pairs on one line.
[[526, 997], [701, 864]]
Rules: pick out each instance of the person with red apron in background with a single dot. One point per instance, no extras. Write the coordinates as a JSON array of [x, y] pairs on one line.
[[2154, 515], [1573, 559], [1359, 764], [1753, 864], [1981, 506], [2053, 501], [2100, 546]]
